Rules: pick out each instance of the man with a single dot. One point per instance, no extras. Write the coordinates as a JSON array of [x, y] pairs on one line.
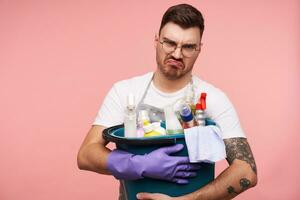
[[178, 45]]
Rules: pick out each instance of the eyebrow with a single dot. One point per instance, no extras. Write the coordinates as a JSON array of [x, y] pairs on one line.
[[165, 38]]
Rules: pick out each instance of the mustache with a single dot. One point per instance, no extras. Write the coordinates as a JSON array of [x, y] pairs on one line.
[[172, 58]]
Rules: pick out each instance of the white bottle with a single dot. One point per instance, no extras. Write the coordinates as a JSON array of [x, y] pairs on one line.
[[173, 125], [130, 118], [200, 110], [199, 116], [189, 98]]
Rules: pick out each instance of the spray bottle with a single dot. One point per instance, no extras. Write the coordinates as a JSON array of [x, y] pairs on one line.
[[130, 117], [200, 113]]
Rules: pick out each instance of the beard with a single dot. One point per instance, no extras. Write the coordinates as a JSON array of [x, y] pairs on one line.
[[173, 71]]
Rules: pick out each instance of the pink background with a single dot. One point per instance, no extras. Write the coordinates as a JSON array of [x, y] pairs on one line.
[[59, 58]]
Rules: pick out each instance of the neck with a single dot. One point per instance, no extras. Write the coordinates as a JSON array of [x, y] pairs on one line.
[[167, 85]]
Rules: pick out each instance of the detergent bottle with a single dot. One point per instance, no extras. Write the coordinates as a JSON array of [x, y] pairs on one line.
[[186, 116]]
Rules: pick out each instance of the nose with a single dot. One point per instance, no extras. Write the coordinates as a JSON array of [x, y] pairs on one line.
[[177, 53]]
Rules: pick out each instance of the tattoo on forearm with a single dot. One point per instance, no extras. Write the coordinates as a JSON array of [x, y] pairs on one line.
[[231, 190], [244, 183], [238, 148]]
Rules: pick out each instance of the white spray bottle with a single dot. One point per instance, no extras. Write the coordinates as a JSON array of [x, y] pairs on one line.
[[200, 110], [130, 118]]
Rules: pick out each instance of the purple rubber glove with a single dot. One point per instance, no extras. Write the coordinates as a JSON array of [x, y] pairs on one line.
[[158, 164]]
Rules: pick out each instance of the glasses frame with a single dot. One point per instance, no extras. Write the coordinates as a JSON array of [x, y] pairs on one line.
[[179, 46]]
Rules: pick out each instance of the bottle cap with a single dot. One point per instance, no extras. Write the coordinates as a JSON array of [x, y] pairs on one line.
[[130, 101], [203, 100], [186, 113], [201, 105]]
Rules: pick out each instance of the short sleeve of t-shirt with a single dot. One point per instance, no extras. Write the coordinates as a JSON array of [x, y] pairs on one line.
[[222, 112], [111, 111]]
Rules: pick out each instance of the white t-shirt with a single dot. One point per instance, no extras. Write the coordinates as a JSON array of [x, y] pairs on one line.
[[218, 106]]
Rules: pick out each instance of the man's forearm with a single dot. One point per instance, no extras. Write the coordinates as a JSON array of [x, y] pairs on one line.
[[93, 153], [238, 177], [93, 157], [227, 185]]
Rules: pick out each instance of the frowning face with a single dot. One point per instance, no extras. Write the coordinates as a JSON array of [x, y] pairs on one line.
[[177, 50]]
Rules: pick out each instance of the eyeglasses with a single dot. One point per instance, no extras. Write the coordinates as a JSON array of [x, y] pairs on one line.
[[187, 50]]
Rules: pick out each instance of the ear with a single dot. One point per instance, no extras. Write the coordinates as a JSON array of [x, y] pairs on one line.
[[200, 46], [156, 39]]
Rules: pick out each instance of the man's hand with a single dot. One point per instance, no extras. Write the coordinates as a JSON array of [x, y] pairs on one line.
[[153, 196], [158, 164]]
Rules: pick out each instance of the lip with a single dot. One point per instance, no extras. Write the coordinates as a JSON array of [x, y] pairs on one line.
[[174, 63]]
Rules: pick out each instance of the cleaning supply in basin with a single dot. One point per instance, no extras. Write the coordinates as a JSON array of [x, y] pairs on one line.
[[157, 128], [173, 125], [144, 118], [186, 116], [154, 129], [140, 131], [189, 98], [200, 110], [147, 128], [177, 107], [130, 125]]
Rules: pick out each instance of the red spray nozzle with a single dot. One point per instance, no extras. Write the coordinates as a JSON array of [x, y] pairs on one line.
[[198, 106], [203, 100], [201, 105]]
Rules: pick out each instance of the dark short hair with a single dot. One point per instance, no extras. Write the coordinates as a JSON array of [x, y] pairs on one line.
[[184, 15]]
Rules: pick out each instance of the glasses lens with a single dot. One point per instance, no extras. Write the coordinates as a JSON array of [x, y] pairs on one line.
[[168, 47], [187, 52]]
